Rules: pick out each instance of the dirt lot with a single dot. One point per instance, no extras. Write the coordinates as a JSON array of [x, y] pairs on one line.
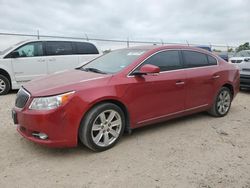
[[194, 151]]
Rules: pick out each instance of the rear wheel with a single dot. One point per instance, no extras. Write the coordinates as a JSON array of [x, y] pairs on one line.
[[102, 127], [4, 85], [222, 103]]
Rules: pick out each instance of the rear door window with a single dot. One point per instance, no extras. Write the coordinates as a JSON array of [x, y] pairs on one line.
[[59, 48], [85, 48], [194, 59]]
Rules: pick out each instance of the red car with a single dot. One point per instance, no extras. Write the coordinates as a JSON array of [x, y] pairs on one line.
[[123, 90]]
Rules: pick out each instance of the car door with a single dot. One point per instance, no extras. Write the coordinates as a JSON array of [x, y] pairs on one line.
[[158, 96], [29, 62], [60, 56], [201, 71]]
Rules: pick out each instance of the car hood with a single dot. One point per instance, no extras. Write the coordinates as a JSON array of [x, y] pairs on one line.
[[59, 83]]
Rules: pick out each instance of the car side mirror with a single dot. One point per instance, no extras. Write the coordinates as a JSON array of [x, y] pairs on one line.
[[15, 54], [147, 69]]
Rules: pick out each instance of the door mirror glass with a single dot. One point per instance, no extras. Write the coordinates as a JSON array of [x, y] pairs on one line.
[[147, 69], [15, 54]]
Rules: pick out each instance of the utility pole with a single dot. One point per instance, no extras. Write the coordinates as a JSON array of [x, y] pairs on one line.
[[38, 35], [128, 42], [87, 38]]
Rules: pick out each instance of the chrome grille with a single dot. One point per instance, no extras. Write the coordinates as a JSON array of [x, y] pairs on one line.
[[22, 98]]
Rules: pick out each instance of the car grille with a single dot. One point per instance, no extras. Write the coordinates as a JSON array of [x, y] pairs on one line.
[[22, 98], [236, 61]]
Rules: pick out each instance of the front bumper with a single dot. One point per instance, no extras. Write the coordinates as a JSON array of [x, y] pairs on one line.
[[245, 80], [61, 125]]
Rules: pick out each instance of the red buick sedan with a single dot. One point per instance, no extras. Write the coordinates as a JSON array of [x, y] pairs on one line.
[[123, 90]]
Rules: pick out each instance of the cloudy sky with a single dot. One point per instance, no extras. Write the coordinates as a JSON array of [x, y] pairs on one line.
[[225, 22]]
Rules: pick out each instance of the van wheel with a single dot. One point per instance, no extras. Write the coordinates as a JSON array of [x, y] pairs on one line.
[[222, 103], [102, 127], [4, 85]]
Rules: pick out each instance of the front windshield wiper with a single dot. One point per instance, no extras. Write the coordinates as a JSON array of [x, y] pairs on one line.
[[90, 69]]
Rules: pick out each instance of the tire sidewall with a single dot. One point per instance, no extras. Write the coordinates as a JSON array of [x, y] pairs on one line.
[[86, 126], [7, 83]]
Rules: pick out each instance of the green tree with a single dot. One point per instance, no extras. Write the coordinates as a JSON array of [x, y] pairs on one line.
[[243, 47], [230, 50], [215, 50]]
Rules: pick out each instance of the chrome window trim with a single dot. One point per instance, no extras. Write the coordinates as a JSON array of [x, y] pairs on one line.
[[217, 63]]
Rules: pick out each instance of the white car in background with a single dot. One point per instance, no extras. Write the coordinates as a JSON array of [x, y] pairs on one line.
[[32, 59], [242, 61]]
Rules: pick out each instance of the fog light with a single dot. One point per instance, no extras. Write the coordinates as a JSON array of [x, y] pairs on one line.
[[42, 136]]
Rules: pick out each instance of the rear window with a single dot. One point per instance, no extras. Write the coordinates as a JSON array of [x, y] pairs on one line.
[[59, 48], [85, 48], [195, 59]]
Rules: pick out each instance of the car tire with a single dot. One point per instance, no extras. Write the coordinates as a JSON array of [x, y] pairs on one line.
[[222, 103], [4, 85], [102, 127]]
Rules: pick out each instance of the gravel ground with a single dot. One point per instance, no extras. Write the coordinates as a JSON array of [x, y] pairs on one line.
[[194, 151]]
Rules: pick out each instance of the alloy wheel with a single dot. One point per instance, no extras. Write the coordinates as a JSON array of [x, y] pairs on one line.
[[106, 128], [223, 102], [2, 86]]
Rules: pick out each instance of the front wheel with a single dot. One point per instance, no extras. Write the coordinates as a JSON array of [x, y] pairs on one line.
[[102, 127], [222, 103]]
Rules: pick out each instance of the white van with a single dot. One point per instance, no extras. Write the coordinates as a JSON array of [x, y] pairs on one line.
[[31, 59]]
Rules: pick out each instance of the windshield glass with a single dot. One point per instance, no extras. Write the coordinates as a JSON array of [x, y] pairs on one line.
[[114, 61], [244, 53]]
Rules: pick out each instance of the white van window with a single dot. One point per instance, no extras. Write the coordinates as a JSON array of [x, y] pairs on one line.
[[59, 48], [85, 48], [31, 50]]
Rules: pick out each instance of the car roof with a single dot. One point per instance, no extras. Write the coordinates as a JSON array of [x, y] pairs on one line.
[[162, 47], [56, 40]]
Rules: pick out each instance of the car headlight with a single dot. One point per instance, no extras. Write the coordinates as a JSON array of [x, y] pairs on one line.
[[49, 103]]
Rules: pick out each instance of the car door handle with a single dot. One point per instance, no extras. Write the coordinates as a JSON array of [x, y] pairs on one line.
[[216, 76], [41, 60], [52, 59], [180, 82]]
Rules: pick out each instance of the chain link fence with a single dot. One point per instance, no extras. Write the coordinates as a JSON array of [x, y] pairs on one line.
[[8, 39]]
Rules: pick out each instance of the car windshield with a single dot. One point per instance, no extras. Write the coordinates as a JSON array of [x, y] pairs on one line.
[[114, 61], [244, 53]]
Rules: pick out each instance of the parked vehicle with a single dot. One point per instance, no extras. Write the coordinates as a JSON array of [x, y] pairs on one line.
[[242, 61], [223, 55], [32, 59], [124, 89]]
